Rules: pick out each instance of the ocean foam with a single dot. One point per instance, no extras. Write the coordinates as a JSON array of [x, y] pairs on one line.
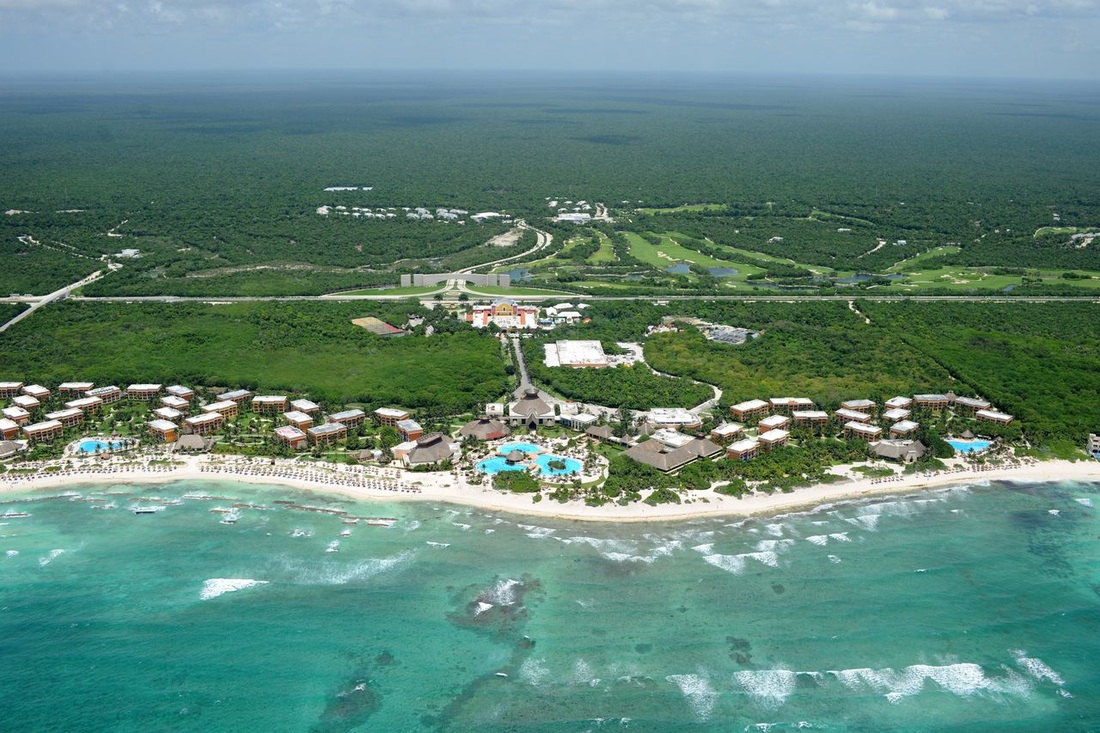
[[868, 522], [429, 543], [215, 587], [333, 546], [819, 539], [12, 553], [707, 549], [769, 688], [461, 526], [503, 592], [534, 671], [302, 533], [834, 559], [697, 690], [1037, 669], [50, 557], [333, 572], [482, 607], [963, 679], [1084, 501], [627, 557], [773, 545], [536, 532], [730, 563], [840, 537]]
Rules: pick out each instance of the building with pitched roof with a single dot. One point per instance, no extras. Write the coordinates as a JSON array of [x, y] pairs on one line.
[[530, 410]]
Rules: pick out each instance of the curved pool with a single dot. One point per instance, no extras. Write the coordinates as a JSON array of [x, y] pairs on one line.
[[519, 445], [969, 446], [493, 466], [99, 446], [572, 465]]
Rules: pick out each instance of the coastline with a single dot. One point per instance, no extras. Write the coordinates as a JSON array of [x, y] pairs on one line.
[[391, 485]]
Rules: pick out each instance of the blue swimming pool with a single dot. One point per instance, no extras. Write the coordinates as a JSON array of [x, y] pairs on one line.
[[493, 466], [99, 446], [521, 446], [969, 446], [572, 465]]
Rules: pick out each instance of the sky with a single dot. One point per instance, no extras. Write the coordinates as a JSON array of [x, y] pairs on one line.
[[954, 38]]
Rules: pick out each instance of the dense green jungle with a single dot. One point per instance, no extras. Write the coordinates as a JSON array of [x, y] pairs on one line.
[[789, 183]]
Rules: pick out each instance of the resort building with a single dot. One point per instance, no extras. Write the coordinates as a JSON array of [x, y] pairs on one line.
[[389, 416], [10, 389], [43, 431], [26, 402], [773, 439], [495, 409], [657, 455], [69, 417], [142, 391], [409, 430], [184, 393], [298, 419], [9, 429], [1093, 446], [862, 431], [37, 391], [775, 422], [673, 417], [291, 437], [971, 404], [580, 421], [305, 406], [787, 404], [932, 401], [238, 396], [726, 433], [859, 405], [530, 410], [905, 451], [852, 415], [163, 431], [994, 416], [505, 314], [327, 434], [269, 404], [226, 408], [750, 410], [68, 388], [671, 439], [176, 403], [484, 428], [811, 418], [16, 414], [351, 418], [898, 403], [903, 429], [204, 424], [895, 414], [170, 414], [576, 354], [743, 450], [601, 434], [86, 404], [109, 394], [426, 450]]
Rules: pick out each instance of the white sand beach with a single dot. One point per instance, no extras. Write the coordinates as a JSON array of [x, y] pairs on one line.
[[374, 483]]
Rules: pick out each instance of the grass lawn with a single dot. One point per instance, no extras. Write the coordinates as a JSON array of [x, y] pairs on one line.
[[490, 290], [605, 254], [909, 263], [668, 253]]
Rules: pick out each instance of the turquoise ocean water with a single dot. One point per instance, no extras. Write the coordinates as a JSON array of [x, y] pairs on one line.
[[968, 609]]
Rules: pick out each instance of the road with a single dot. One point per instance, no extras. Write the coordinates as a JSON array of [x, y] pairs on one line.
[[542, 241], [586, 298], [56, 295]]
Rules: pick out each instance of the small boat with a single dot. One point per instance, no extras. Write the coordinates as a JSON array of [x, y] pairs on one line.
[[147, 509]]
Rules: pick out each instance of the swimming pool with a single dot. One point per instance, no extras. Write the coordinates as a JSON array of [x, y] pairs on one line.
[[493, 466], [572, 465], [99, 446], [969, 446], [521, 446]]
